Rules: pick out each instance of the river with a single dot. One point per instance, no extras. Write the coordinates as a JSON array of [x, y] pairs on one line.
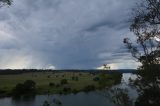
[[81, 99]]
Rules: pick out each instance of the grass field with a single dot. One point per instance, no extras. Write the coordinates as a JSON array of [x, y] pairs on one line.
[[43, 79]]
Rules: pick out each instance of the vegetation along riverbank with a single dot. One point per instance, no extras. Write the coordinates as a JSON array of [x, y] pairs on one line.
[[32, 83]]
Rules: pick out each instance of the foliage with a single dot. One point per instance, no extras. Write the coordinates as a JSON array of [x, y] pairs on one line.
[[64, 81], [28, 87], [75, 91], [149, 97], [116, 76], [103, 80], [75, 78], [66, 89], [51, 84], [89, 88], [120, 97], [8, 82], [146, 27], [5, 2], [96, 79]]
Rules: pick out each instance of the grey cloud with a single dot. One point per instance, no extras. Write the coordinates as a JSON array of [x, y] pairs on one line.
[[65, 33]]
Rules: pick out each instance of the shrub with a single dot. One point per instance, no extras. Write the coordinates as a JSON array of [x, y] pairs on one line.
[[57, 85], [27, 88], [75, 91], [96, 79], [72, 77], [64, 81], [2, 91], [66, 89], [75, 78], [89, 88], [51, 84]]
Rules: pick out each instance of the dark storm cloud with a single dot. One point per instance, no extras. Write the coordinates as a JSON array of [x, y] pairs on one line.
[[64, 33]]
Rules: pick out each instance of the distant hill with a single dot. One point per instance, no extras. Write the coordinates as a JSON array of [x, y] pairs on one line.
[[127, 70], [20, 71]]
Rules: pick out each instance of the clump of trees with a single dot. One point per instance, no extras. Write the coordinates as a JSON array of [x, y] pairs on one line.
[[145, 24], [64, 81], [27, 88]]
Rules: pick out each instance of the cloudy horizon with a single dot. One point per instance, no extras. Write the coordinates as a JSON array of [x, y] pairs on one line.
[[65, 34]]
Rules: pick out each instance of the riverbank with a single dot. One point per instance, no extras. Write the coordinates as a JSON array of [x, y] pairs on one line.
[[51, 82]]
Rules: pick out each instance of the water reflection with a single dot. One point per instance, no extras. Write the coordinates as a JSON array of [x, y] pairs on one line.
[[25, 101]]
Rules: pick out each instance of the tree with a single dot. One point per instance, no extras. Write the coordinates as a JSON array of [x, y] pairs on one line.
[[120, 97], [27, 88], [64, 81], [145, 25], [5, 2]]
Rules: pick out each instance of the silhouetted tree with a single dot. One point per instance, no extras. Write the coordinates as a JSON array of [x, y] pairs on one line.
[[145, 25], [27, 88], [5, 2], [120, 97]]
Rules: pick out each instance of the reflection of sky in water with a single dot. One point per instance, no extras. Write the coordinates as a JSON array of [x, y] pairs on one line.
[[124, 85], [127, 76]]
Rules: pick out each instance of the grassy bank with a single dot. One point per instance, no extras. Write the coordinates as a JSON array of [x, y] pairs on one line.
[[50, 82]]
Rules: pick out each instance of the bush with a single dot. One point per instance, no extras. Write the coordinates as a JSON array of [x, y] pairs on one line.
[[64, 81], [49, 76], [57, 85], [75, 91], [2, 91], [96, 79], [27, 88], [89, 88], [66, 89], [51, 84], [75, 78]]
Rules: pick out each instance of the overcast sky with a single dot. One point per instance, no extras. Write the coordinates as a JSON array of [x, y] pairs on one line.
[[65, 34]]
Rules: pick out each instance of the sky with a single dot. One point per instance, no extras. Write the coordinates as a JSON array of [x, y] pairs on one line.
[[65, 34]]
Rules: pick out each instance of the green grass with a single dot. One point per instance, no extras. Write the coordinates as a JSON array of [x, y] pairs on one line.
[[42, 79]]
